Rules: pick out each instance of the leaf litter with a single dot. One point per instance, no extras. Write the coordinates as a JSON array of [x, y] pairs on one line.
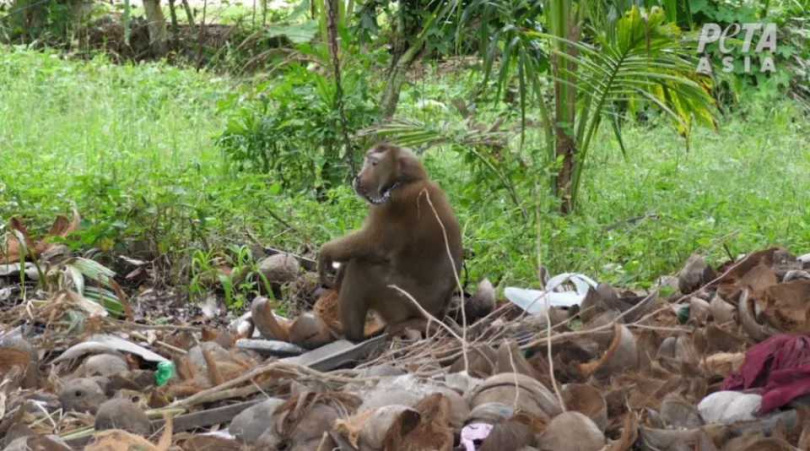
[[720, 362]]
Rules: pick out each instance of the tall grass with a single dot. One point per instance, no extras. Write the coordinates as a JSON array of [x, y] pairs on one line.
[[132, 146]]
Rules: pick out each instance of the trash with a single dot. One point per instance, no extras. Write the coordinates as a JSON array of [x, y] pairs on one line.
[[336, 354], [270, 347], [164, 373], [779, 367], [729, 407], [474, 434], [535, 302]]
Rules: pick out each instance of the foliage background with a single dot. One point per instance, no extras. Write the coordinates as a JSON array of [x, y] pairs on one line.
[[172, 163]]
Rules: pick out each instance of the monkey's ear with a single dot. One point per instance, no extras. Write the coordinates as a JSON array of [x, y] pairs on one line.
[[409, 167]]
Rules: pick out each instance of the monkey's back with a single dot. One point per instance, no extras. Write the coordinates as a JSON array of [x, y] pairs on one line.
[[420, 264]]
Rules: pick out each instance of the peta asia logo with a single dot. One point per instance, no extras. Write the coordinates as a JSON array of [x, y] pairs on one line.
[[754, 37]]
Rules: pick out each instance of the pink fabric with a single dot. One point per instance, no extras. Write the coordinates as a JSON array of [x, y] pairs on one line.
[[778, 368]]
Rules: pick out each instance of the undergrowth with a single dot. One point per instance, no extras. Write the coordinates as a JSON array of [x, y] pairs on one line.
[[134, 147]]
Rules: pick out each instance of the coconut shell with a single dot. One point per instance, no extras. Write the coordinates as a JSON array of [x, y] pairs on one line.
[[759, 332], [266, 321], [722, 311], [587, 400], [622, 355], [309, 331], [572, 431], [532, 396], [280, 268]]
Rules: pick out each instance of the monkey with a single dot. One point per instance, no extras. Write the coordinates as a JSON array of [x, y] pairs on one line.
[[402, 242]]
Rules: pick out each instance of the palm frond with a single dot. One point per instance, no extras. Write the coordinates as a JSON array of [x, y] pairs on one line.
[[415, 133]]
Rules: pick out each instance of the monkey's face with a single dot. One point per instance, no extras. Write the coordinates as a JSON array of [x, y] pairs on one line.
[[379, 175]]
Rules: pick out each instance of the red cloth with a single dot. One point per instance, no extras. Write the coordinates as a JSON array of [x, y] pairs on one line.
[[779, 368]]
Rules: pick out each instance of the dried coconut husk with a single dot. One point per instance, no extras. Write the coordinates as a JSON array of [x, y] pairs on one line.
[[648, 343], [266, 322], [368, 429], [117, 439], [572, 431], [310, 332], [644, 391], [757, 443], [622, 355], [432, 432], [699, 311], [629, 434], [481, 361], [678, 413], [694, 274], [722, 311], [603, 337], [11, 251], [477, 306], [327, 308], [17, 367], [280, 269], [508, 388], [510, 359], [306, 417], [758, 279], [730, 285], [722, 433], [517, 432], [685, 350], [567, 357], [587, 400], [490, 413], [670, 439], [722, 364], [758, 332], [713, 339], [787, 306], [667, 348]]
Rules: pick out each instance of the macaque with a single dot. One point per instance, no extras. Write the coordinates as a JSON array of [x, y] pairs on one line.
[[401, 243]]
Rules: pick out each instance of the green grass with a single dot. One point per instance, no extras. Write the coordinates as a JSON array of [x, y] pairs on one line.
[[133, 147]]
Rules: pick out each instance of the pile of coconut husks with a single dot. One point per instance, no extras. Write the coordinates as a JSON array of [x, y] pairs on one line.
[[715, 358]]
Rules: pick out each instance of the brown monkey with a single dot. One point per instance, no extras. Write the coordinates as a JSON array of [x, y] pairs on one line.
[[401, 243]]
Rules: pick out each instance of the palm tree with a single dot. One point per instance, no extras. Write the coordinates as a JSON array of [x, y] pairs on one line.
[[599, 57]]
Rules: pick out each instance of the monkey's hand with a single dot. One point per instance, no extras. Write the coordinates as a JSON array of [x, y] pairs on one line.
[[325, 261], [355, 245]]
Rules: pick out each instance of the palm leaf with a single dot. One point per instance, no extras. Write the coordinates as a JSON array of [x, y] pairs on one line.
[[415, 133]]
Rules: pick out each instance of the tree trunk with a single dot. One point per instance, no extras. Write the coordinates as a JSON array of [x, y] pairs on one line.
[[408, 40], [175, 25], [189, 15], [158, 36], [334, 50], [393, 86], [565, 144], [565, 100]]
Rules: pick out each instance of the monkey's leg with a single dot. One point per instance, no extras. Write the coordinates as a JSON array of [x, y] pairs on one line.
[[353, 301]]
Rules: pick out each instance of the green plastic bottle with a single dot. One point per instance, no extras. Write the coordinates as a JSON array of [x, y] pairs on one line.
[[165, 371]]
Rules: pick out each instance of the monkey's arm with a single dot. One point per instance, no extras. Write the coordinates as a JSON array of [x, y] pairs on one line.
[[356, 245]]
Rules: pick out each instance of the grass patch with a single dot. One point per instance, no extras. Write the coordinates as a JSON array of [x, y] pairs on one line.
[[133, 147]]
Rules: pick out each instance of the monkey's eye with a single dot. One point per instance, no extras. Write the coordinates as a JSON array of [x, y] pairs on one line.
[[374, 162]]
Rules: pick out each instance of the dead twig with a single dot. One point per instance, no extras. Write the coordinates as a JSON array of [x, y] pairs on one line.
[[280, 367]]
